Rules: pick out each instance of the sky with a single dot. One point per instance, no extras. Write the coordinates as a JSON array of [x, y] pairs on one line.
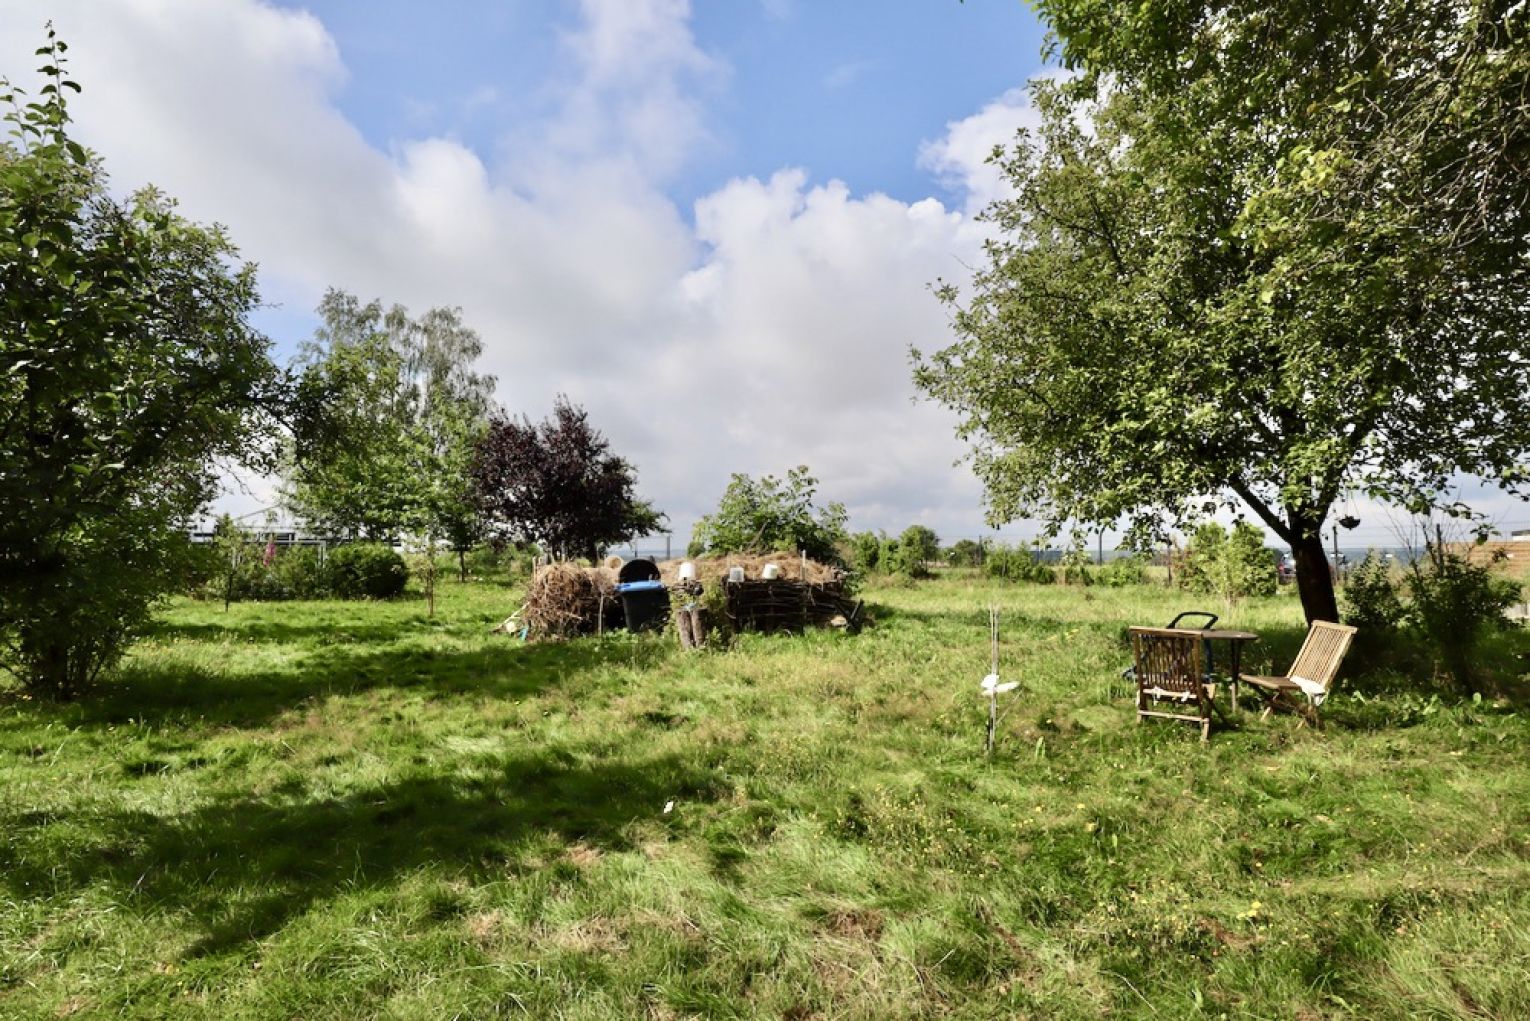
[[713, 223]]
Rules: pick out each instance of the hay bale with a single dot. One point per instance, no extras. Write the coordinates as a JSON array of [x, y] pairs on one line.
[[564, 601], [713, 569]]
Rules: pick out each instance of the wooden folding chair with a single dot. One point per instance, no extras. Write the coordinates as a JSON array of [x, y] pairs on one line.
[[1303, 690], [1167, 668]]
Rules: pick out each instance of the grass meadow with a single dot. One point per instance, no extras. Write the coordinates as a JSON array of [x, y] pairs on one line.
[[347, 810]]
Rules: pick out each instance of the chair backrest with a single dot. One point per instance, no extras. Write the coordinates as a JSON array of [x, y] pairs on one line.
[[1209, 621], [1168, 660], [1321, 653]]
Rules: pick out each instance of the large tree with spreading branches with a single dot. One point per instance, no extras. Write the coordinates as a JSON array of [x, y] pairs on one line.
[[1259, 253]]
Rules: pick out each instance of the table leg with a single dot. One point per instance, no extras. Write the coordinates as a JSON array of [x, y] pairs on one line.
[[1237, 667]]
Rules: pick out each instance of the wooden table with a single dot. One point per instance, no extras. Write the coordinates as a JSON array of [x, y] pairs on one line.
[[1237, 639]]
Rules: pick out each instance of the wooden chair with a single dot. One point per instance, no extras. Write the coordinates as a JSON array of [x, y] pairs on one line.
[[1167, 668], [1306, 686], [1129, 675]]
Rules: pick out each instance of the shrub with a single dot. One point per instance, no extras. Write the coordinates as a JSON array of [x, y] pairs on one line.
[[1230, 566], [1371, 602], [773, 514], [301, 572], [366, 571], [914, 550], [964, 553], [865, 552], [1014, 564], [1075, 566], [1455, 603], [1123, 571], [512, 560]]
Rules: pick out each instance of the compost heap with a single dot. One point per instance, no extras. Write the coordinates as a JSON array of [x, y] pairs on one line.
[[805, 594], [712, 570], [565, 601]]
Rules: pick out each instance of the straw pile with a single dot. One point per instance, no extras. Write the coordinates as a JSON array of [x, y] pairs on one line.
[[564, 601], [711, 570]]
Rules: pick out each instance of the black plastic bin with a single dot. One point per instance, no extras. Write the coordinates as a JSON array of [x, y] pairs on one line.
[[645, 604]]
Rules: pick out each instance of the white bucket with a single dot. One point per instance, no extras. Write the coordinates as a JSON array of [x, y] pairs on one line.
[[770, 572], [735, 574], [688, 571]]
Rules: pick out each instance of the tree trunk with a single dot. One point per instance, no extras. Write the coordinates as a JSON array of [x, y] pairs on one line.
[[1314, 580], [462, 565]]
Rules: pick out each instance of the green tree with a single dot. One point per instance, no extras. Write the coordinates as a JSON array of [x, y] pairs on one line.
[[964, 553], [865, 552], [1231, 565], [917, 547], [773, 514], [1258, 252], [127, 366], [386, 418], [557, 484]]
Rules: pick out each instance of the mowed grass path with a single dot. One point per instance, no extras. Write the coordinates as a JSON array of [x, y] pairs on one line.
[[345, 810]]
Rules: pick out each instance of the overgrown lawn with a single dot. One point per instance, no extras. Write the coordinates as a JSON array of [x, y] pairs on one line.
[[347, 810]]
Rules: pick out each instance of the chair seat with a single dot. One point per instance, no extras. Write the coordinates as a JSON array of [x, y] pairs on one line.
[[1273, 683], [1164, 695]]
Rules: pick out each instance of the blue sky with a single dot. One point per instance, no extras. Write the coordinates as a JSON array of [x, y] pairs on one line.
[[845, 89]]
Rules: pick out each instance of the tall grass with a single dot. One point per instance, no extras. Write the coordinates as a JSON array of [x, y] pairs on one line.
[[348, 810]]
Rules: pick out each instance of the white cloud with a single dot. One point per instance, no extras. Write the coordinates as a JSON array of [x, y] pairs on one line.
[[960, 158], [772, 331]]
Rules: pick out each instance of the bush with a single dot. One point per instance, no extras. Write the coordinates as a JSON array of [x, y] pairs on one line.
[[1230, 566], [914, 550], [865, 552], [1455, 603], [301, 573], [366, 571], [511, 560], [772, 514], [1014, 564], [1123, 571], [1371, 602], [1075, 567], [964, 553]]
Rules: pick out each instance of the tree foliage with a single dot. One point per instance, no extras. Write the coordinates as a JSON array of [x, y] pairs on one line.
[[127, 366], [1257, 251], [385, 419], [1231, 565], [917, 547], [774, 514], [1454, 604], [965, 553], [865, 552], [556, 483]]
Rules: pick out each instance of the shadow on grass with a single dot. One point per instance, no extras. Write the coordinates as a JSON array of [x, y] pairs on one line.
[[241, 869], [159, 693], [324, 633]]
